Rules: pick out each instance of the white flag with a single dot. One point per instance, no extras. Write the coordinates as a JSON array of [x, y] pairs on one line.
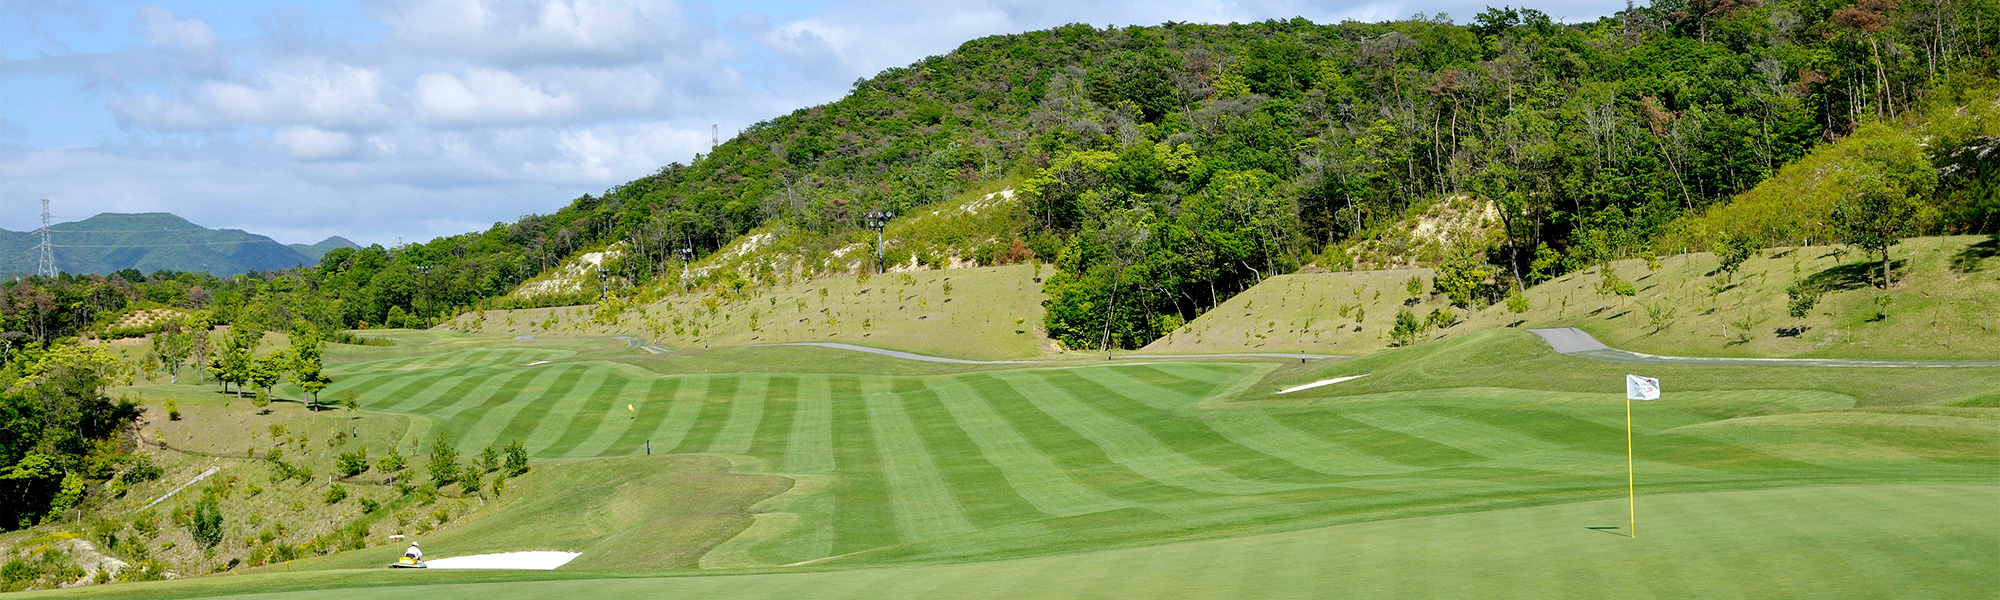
[[1641, 388]]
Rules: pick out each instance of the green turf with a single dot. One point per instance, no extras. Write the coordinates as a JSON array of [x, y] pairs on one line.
[[1002, 463], [1930, 541], [1157, 474]]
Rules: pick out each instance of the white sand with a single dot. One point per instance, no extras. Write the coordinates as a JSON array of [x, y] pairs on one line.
[[541, 560], [1320, 383]]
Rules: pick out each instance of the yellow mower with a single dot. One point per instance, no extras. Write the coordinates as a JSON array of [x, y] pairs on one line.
[[411, 559]]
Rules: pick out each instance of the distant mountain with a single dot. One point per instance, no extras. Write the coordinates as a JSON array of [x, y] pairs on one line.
[[152, 242], [315, 251]]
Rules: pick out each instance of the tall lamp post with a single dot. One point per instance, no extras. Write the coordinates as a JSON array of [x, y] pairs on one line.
[[425, 291], [687, 256], [878, 219], [603, 280]]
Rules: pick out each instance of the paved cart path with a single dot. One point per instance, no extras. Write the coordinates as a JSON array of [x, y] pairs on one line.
[[1574, 342]]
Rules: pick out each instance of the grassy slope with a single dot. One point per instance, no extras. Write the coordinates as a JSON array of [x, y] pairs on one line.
[[1303, 311], [908, 311], [1946, 305]]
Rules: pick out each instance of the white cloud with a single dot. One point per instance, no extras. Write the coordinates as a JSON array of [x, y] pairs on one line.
[[311, 143], [334, 96], [528, 31], [488, 97], [161, 28]]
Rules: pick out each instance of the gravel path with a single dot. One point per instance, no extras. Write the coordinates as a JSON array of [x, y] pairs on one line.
[[1574, 342]]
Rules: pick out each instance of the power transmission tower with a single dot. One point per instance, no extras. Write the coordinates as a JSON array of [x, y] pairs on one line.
[[48, 251], [714, 137]]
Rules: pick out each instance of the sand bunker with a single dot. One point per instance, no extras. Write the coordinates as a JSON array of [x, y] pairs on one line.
[[1320, 383], [541, 560]]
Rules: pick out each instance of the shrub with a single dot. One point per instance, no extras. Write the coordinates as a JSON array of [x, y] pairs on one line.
[[391, 462], [173, 410], [369, 505], [517, 458], [1407, 328], [489, 459], [353, 463], [1803, 295], [336, 493], [204, 521]]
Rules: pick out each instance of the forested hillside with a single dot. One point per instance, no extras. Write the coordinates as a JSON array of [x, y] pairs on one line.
[[1165, 167]]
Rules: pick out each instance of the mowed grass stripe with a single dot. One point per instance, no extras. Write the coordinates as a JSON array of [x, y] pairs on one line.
[[444, 404], [1157, 397], [746, 412], [810, 447], [671, 410], [462, 419], [1132, 445], [1256, 430], [600, 422], [1031, 474], [651, 402], [1470, 436], [862, 515], [1182, 435], [1085, 461], [426, 390], [525, 416], [1392, 446], [982, 491], [715, 407], [924, 505], [781, 402], [558, 419]]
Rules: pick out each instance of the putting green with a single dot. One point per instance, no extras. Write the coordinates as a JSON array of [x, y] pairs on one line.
[[1929, 541], [1022, 462]]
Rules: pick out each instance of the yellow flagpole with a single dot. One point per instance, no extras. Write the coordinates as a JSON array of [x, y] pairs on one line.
[[1631, 489]]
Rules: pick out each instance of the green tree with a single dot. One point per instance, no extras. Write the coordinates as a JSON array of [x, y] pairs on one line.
[[1407, 328], [204, 521], [173, 345], [1733, 250], [517, 458], [444, 467], [1876, 216], [354, 462], [266, 371]]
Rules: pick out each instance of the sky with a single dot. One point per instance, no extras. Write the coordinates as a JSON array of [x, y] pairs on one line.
[[388, 121]]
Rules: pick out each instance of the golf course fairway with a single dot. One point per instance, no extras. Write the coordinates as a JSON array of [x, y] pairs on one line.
[[1911, 541], [1486, 466]]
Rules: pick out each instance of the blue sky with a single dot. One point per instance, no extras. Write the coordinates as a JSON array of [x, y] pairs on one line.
[[387, 120]]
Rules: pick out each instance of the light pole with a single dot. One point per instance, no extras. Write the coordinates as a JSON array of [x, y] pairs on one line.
[[687, 256], [603, 280], [424, 292], [878, 219]]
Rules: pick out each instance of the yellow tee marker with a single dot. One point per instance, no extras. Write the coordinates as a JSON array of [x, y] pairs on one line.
[[634, 411]]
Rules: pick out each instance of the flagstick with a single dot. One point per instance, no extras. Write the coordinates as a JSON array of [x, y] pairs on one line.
[[1631, 490]]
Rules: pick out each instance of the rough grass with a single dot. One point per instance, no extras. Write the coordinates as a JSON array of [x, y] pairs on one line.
[[1946, 304], [989, 313], [1339, 312]]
